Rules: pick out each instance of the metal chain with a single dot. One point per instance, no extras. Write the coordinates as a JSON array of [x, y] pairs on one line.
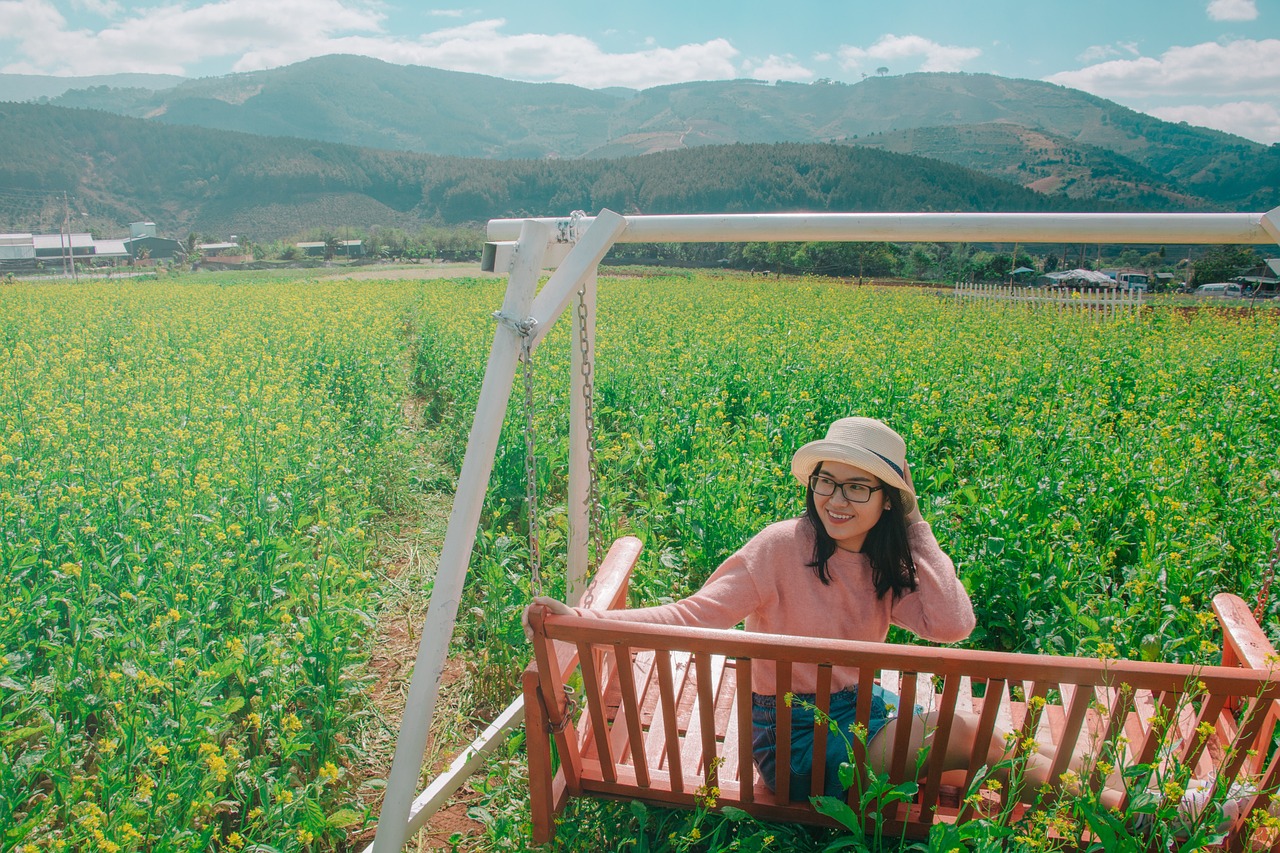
[[1268, 575], [595, 519], [531, 467], [524, 328]]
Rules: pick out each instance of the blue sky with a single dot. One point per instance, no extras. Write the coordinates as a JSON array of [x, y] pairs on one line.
[[1209, 62]]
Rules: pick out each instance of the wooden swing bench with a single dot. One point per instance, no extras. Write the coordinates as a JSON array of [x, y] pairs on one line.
[[666, 711]]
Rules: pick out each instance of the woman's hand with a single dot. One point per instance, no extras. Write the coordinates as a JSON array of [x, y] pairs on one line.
[[559, 608], [914, 516]]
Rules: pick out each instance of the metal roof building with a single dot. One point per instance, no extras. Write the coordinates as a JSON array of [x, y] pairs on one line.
[[17, 249], [56, 245], [110, 249]]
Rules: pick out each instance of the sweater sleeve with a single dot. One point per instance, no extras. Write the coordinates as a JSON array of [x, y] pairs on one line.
[[728, 596], [938, 609]]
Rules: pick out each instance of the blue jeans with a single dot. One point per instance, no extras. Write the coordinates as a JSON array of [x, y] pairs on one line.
[[844, 711]]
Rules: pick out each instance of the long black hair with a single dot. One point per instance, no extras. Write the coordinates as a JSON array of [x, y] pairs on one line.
[[886, 546]]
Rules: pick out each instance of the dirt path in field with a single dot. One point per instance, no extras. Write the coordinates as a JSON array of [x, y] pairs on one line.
[[409, 542]]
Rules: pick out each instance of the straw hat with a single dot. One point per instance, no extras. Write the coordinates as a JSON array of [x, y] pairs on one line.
[[864, 443]]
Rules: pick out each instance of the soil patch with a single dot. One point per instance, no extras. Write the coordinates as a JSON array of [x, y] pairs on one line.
[[409, 542]]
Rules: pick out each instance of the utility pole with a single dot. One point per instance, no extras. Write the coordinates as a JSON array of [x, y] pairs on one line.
[[64, 234]]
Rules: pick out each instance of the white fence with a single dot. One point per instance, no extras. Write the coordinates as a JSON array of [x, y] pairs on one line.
[[1095, 303]]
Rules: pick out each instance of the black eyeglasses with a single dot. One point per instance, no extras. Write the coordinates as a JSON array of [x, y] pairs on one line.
[[858, 493]]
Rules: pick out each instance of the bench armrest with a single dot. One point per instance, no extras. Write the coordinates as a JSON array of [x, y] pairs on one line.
[[608, 591], [1243, 641]]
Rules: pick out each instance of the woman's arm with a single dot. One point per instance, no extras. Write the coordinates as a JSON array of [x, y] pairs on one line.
[[727, 597], [938, 609]]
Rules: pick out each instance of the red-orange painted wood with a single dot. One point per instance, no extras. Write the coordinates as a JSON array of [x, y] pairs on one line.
[[662, 706]]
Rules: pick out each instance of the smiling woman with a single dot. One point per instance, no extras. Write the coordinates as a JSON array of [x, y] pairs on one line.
[[861, 559]]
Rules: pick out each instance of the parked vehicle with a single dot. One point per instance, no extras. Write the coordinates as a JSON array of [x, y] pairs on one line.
[[1221, 288]]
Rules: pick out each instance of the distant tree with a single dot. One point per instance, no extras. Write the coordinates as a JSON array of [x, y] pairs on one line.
[[1222, 263], [882, 70], [1050, 263], [330, 247]]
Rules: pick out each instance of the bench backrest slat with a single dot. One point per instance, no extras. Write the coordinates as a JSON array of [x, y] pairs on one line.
[[1158, 726], [943, 722], [746, 764], [591, 686], [1210, 709], [1252, 724], [782, 717], [902, 761], [1079, 709], [992, 698], [862, 714], [667, 700], [631, 711], [821, 732], [706, 718]]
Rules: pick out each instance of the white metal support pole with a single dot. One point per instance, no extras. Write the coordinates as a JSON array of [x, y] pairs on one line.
[[1084, 228], [579, 459], [455, 554], [604, 230]]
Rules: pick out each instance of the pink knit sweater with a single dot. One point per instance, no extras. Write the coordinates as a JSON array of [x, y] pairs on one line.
[[767, 586]]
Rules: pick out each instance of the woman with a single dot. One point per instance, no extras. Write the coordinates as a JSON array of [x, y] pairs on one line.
[[860, 559]]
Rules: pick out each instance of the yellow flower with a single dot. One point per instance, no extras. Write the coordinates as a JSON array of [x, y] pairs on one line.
[[159, 752], [328, 773], [305, 837], [217, 766]]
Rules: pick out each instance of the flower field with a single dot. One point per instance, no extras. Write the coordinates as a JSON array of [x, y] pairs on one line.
[[186, 475], [189, 475]]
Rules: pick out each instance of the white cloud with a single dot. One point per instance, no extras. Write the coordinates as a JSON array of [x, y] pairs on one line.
[[1243, 67], [891, 48], [779, 68], [167, 39], [447, 13], [1100, 52], [1233, 10], [33, 19], [1250, 119], [171, 38]]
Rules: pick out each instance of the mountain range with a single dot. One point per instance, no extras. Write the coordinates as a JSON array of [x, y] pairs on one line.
[[1059, 142]]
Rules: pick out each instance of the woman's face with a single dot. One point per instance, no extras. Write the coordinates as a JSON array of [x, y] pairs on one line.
[[846, 521]]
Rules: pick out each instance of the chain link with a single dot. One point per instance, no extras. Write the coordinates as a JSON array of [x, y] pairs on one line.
[[595, 520], [1268, 575], [531, 468], [524, 328]]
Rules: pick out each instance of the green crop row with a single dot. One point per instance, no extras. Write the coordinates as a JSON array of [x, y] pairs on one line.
[[186, 479]]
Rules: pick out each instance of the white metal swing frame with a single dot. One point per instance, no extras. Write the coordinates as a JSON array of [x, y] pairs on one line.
[[574, 246]]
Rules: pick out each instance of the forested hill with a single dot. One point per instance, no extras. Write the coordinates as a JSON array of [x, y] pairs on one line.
[[120, 169], [1043, 134]]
